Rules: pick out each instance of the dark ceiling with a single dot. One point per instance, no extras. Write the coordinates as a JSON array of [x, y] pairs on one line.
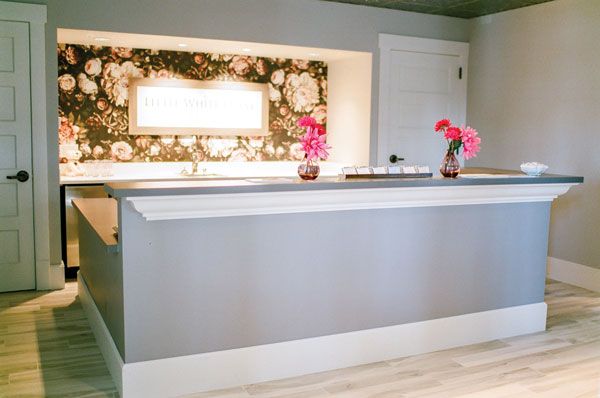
[[452, 8]]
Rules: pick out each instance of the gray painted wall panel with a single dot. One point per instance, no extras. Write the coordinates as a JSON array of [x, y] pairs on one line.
[[103, 274], [204, 285], [534, 95]]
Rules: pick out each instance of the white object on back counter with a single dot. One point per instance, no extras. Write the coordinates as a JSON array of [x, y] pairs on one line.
[[380, 170], [363, 170], [349, 170], [533, 168], [409, 170], [422, 169]]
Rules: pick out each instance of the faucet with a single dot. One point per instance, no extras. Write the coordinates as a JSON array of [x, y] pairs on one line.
[[195, 160]]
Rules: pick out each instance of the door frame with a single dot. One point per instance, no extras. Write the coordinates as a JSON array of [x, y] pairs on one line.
[[47, 276], [389, 43]]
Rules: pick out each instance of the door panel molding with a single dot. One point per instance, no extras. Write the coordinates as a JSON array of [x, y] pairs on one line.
[[47, 274], [390, 43]]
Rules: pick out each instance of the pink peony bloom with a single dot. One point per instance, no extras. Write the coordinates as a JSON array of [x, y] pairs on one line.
[[314, 144], [306, 121], [470, 142], [442, 124], [452, 133]]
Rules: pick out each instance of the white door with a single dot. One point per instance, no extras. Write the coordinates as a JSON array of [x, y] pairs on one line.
[[421, 81], [17, 267]]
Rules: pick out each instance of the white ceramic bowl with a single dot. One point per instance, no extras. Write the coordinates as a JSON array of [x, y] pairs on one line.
[[533, 169]]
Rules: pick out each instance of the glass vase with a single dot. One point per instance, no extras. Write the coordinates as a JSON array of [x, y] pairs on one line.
[[309, 169], [450, 166]]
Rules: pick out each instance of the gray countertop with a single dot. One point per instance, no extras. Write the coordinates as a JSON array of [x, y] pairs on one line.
[[277, 184]]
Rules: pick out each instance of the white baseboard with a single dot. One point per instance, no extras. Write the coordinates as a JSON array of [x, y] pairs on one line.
[[56, 277], [574, 274], [109, 350], [182, 375], [49, 276]]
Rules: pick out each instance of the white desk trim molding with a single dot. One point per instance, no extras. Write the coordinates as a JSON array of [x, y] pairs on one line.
[[154, 208]]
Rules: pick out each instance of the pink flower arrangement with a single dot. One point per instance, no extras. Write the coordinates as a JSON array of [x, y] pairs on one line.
[[314, 141], [457, 137]]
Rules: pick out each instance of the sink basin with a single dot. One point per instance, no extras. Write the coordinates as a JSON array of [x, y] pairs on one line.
[[200, 175]]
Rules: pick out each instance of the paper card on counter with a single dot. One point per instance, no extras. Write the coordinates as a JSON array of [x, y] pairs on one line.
[[349, 170], [395, 169], [380, 170], [409, 170], [363, 170], [422, 169]]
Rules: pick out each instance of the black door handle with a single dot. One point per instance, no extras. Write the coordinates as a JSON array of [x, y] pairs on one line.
[[21, 176], [395, 158]]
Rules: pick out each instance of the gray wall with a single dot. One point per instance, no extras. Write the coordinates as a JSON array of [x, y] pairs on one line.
[[103, 273], [534, 94], [204, 285], [293, 22]]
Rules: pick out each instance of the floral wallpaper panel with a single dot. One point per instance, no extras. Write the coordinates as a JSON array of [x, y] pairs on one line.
[[93, 100]]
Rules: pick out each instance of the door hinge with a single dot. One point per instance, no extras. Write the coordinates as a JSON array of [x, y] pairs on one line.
[[460, 73]]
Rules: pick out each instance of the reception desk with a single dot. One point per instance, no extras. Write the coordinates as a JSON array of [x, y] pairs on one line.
[[212, 284]]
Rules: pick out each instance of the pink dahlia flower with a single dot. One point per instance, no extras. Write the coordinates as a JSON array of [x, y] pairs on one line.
[[314, 144], [470, 142]]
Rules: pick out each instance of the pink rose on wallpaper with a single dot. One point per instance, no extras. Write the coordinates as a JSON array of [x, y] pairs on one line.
[[241, 65], [85, 149], [301, 63], [97, 152], [67, 131], [163, 74], [278, 77], [93, 67], [121, 150], [301, 91], [122, 52], [320, 113], [274, 93], [86, 85], [296, 151], [66, 82], [261, 67], [115, 80]]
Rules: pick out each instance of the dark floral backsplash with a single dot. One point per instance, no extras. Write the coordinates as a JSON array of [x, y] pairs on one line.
[[93, 100]]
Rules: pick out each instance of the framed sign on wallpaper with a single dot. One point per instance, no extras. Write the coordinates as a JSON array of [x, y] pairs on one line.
[[197, 107]]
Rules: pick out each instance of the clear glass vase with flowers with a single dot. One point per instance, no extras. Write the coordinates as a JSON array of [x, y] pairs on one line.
[[457, 138], [315, 148]]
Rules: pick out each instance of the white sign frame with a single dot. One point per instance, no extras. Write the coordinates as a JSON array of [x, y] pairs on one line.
[[135, 129]]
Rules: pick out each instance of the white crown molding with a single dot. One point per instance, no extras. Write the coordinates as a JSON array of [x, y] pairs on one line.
[[243, 204], [35, 13], [188, 374]]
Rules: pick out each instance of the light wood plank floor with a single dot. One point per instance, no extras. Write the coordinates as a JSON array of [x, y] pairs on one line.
[[47, 349]]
